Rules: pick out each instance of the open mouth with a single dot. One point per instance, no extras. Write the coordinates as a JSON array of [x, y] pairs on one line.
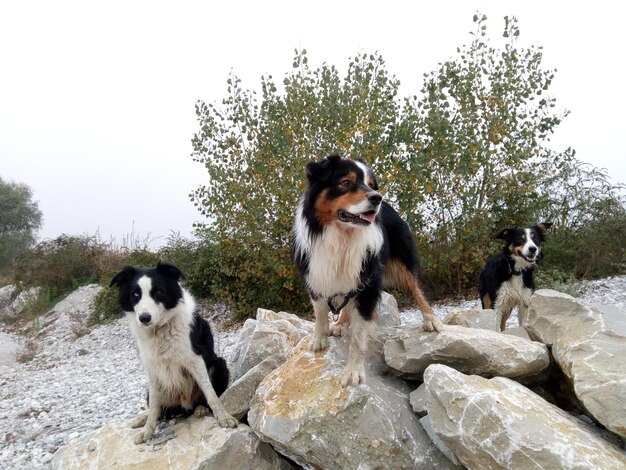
[[362, 218], [530, 258]]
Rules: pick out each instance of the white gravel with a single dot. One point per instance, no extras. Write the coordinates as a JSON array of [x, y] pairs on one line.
[[80, 380]]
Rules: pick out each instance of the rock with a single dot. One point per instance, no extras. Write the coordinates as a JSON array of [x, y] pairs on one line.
[[473, 318], [590, 355], [303, 411], [198, 443], [387, 310], [265, 337], [517, 331], [417, 399], [471, 350], [500, 424], [13, 302], [237, 397], [445, 450]]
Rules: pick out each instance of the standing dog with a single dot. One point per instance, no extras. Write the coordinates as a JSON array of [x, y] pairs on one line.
[[348, 245], [175, 347], [507, 280]]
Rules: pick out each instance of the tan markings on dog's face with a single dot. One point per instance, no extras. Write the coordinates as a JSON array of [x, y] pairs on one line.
[[516, 250], [326, 209], [350, 178]]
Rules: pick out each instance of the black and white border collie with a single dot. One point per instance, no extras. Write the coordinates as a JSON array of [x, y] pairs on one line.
[[348, 245], [507, 281], [175, 347]]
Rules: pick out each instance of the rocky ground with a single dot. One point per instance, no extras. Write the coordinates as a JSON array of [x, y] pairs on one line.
[[71, 380]]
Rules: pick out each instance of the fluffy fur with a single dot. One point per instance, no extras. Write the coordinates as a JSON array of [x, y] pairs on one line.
[[507, 281], [175, 347], [348, 245]]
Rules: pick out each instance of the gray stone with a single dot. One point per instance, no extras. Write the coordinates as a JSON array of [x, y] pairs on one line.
[[302, 410], [417, 399], [237, 397], [273, 333], [471, 350], [387, 310], [473, 318], [13, 302], [445, 450], [500, 424], [518, 331], [589, 353], [198, 443]]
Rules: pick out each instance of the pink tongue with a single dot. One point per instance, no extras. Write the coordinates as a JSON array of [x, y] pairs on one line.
[[369, 217]]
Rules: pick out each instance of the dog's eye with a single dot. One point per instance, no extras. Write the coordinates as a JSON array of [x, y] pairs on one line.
[[345, 183], [158, 292], [136, 295], [532, 235]]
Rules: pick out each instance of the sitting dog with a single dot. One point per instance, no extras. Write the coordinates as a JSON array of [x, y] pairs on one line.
[[348, 245], [175, 346], [506, 281]]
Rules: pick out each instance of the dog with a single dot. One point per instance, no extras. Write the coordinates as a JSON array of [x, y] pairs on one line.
[[175, 347], [507, 281], [349, 244]]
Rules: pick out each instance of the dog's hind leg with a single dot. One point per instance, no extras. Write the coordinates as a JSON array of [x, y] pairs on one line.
[[139, 420], [320, 333], [197, 369], [398, 275]]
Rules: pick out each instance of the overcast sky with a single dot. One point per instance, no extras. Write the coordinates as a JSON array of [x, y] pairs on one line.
[[97, 98]]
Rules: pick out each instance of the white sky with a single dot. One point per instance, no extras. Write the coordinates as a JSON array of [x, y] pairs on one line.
[[97, 98]]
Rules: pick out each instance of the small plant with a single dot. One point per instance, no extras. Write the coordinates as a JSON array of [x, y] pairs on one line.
[[104, 307]]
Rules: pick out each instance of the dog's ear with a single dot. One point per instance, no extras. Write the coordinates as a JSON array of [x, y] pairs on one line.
[[123, 277], [322, 170], [504, 235], [543, 226], [169, 270]]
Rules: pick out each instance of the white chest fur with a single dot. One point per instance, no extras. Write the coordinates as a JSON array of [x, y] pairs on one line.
[[336, 258], [513, 291]]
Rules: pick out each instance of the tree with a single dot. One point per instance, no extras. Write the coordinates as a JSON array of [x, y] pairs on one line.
[[20, 218], [462, 159], [255, 150]]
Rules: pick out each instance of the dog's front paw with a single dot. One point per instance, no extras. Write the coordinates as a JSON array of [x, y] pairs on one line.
[[352, 377], [318, 343], [139, 421], [225, 420], [338, 329], [432, 324], [143, 436]]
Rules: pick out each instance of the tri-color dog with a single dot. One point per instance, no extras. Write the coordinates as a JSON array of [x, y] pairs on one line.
[[507, 281], [348, 245], [175, 346]]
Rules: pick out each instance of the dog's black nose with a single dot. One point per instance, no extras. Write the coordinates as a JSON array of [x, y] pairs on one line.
[[374, 198], [532, 249], [145, 318]]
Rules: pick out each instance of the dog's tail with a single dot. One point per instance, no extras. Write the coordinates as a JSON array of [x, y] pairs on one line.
[[220, 375]]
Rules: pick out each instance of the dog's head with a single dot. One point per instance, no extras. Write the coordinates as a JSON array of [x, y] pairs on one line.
[[343, 191], [525, 243], [149, 294]]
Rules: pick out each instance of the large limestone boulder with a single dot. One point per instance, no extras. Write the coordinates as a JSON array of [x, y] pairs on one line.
[[237, 397], [410, 351], [590, 353], [271, 333], [302, 410], [500, 424], [474, 318], [196, 443]]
